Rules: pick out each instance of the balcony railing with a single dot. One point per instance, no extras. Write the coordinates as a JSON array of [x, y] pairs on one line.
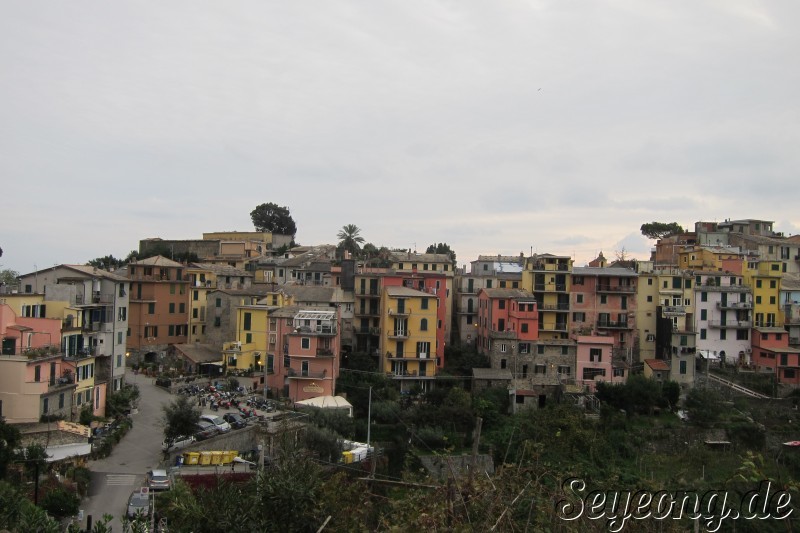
[[556, 327], [673, 310], [368, 293], [549, 287], [63, 381], [399, 312], [614, 324], [554, 307], [730, 324], [399, 334], [734, 305], [324, 352], [306, 374], [507, 334], [425, 356], [627, 289], [428, 373]]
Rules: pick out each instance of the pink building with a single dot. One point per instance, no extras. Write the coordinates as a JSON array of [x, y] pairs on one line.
[[772, 353], [20, 334], [306, 364], [594, 362], [603, 301]]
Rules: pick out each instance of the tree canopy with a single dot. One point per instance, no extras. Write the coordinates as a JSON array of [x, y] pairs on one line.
[[180, 418], [108, 262], [659, 230], [273, 218], [8, 277], [441, 248], [350, 239]]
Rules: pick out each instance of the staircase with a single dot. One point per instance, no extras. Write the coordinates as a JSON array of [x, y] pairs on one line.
[[737, 387]]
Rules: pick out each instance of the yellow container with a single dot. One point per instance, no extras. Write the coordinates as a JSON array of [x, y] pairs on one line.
[[205, 458], [227, 456], [191, 458], [216, 458], [347, 457]]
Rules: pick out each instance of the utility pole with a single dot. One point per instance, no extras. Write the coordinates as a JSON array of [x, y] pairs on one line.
[[369, 416], [476, 440]]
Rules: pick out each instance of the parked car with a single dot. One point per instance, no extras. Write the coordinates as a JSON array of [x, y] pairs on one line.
[[222, 426], [206, 430], [158, 480], [235, 420], [177, 443], [138, 505]]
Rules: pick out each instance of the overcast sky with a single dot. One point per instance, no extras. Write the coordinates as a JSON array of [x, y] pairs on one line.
[[500, 126]]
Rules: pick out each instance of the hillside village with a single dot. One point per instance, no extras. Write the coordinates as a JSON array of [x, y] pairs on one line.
[[717, 307]]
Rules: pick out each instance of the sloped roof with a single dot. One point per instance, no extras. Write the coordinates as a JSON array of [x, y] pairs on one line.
[[309, 293], [422, 258], [607, 271], [657, 364], [406, 291], [225, 270], [157, 260], [509, 293], [96, 272], [199, 353]]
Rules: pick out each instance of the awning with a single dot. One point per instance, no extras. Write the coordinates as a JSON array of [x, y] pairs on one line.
[[58, 453], [215, 363]]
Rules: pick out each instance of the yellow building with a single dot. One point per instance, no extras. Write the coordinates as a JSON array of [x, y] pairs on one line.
[[710, 258], [247, 352], [86, 393], [764, 279], [548, 278], [646, 303], [205, 277], [408, 336]]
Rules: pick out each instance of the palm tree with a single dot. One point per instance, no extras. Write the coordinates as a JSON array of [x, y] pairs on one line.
[[349, 239]]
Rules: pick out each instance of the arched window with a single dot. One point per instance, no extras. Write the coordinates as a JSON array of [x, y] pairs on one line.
[[423, 324]]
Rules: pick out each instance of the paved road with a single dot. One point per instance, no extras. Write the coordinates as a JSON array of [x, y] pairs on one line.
[[116, 476]]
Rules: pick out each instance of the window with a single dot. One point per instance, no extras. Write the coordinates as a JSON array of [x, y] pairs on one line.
[[171, 331], [649, 281], [502, 363], [540, 349], [595, 355], [502, 347], [703, 296], [524, 347], [425, 303], [195, 295], [248, 338], [784, 359], [120, 338], [172, 307], [501, 304], [723, 334], [61, 401], [502, 284], [151, 308], [181, 307], [772, 300], [703, 333], [37, 373], [579, 298], [603, 299], [305, 343], [649, 298], [758, 299], [488, 284], [565, 370], [540, 369], [218, 302], [122, 314], [45, 405], [742, 334], [247, 321], [704, 314], [564, 350], [423, 324], [577, 280], [217, 322], [579, 317], [524, 327]]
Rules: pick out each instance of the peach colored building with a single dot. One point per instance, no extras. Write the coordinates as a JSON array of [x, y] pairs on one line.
[[603, 301], [303, 362], [595, 362], [772, 353], [159, 307]]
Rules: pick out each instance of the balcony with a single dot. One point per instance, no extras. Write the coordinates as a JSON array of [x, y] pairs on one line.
[[734, 305], [554, 307], [413, 374], [614, 324], [549, 287], [375, 312], [318, 330], [617, 289], [368, 293], [306, 374], [399, 312], [399, 334], [324, 352], [730, 324], [507, 334], [67, 380], [562, 327], [368, 331], [673, 310]]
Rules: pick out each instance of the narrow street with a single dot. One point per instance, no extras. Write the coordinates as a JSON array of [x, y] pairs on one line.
[[116, 476]]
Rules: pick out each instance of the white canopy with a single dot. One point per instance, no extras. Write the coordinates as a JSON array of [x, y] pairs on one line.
[[328, 402]]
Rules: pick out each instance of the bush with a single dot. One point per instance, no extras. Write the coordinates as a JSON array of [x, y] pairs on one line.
[[61, 502]]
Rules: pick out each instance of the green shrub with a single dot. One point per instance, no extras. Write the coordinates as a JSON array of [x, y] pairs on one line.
[[61, 502]]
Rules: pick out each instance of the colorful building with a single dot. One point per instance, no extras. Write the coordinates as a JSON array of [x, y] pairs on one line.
[[764, 279], [772, 354], [548, 278], [723, 316]]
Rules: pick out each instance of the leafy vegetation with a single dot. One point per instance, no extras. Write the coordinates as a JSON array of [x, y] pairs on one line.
[[441, 248], [180, 418], [273, 218], [659, 230]]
